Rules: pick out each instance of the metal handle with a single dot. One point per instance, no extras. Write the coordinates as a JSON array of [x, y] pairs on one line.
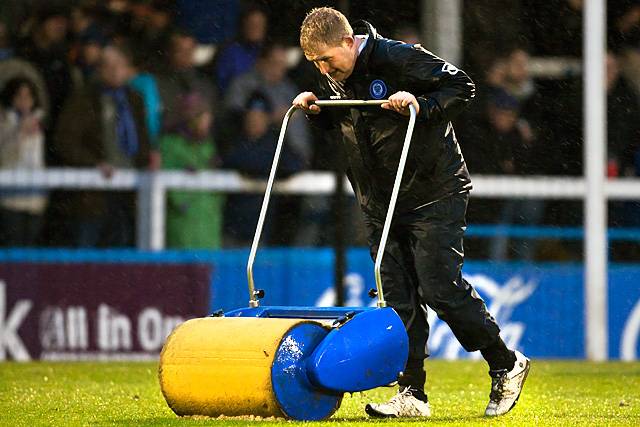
[[392, 205], [253, 298], [349, 102]]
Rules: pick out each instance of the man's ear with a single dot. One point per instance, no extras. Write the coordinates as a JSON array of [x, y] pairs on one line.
[[348, 41]]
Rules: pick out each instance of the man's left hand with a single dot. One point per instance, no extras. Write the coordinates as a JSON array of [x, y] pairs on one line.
[[400, 101]]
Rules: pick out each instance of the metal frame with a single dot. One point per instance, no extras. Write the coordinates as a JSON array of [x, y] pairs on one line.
[[253, 294], [595, 202]]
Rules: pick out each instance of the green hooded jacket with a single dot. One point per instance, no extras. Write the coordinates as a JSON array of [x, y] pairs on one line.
[[194, 218]]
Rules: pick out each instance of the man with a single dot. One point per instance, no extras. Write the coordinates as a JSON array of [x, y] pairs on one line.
[[181, 79], [103, 126], [269, 76], [240, 55], [46, 50], [424, 255]]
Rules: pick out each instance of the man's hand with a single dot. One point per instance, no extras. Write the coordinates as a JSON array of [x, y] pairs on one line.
[[400, 101], [155, 160], [304, 101], [106, 170]]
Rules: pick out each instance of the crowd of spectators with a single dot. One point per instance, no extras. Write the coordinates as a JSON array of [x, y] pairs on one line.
[[122, 84], [529, 125]]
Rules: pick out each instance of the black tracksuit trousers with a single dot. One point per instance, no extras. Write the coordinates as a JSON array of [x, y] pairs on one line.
[[422, 266]]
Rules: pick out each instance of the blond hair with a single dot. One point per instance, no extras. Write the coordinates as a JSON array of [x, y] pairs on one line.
[[323, 26]]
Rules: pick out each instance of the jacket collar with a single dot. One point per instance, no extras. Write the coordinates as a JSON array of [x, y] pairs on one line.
[[363, 27]]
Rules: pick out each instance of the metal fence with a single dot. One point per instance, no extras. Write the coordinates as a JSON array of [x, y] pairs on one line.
[[151, 188]]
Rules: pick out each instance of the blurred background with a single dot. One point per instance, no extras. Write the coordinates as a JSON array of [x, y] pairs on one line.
[[137, 133]]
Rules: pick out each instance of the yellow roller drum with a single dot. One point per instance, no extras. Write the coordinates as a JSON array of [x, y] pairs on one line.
[[223, 366]]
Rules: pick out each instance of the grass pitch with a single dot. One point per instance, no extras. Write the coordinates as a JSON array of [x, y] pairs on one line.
[[556, 393]]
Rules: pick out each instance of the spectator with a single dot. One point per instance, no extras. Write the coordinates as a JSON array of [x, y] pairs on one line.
[[147, 87], [323, 156], [269, 77], [88, 53], [479, 152], [181, 79], [194, 218], [83, 19], [622, 122], [115, 16], [512, 146], [517, 78], [473, 120], [21, 147], [623, 139], [519, 84], [496, 76], [624, 37], [89, 39], [240, 55], [103, 126], [252, 155], [505, 147], [623, 18], [623, 127], [46, 49], [151, 29], [15, 67]]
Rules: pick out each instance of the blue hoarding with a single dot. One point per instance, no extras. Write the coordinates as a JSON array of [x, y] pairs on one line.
[[540, 307]]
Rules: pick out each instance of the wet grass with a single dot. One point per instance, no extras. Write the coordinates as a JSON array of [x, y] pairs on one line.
[[557, 393]]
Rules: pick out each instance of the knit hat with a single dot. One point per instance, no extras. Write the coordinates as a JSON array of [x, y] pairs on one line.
[[258, 101]]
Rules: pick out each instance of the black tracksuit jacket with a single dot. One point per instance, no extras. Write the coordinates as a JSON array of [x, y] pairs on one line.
[[372, 137]]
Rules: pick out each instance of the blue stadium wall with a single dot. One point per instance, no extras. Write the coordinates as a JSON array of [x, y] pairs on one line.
[[540, 307]]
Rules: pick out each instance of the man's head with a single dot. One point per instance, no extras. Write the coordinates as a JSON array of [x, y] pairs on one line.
[[195, 115], [518, 67], [115, 66], [182, 50], [272, 63], [52, 26], [326, 37], [257, 117], [254, 25]]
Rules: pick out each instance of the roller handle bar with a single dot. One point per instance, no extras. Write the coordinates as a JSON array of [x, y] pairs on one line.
[[255, 295]]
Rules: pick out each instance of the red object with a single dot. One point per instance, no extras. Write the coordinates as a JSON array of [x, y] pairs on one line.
[[613, 170]]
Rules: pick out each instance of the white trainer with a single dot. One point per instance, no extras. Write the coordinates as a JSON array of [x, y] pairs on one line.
[[507, 386], [402, 405]]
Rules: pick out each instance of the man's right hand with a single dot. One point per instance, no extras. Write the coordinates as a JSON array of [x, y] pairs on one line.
[[304, 101], [106, 170]]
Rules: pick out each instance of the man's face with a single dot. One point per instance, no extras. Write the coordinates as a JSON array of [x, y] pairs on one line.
[[255, 27], [274, 67], [336, 61], [182, 52], [518, 67], [114, 68], [256, 123], [55, 28]]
